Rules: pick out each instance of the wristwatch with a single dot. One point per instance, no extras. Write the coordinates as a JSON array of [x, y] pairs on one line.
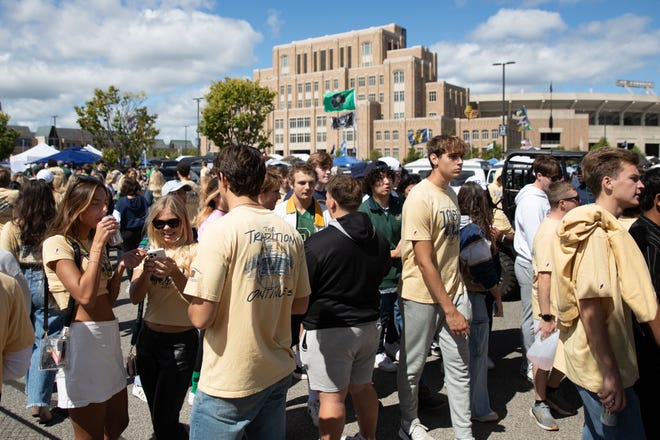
[[546, 317]]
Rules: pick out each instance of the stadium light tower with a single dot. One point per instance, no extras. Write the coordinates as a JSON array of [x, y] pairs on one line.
[[503, 130], [199, 147]]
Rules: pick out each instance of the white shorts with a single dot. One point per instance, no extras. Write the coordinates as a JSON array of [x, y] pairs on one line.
[[95, 366]]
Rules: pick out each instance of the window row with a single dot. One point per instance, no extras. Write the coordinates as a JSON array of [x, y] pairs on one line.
[[494, 134], [395, 135]]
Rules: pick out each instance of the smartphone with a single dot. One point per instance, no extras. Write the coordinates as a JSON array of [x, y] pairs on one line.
[[156, 253]]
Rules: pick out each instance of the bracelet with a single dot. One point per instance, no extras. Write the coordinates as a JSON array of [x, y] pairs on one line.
[[93, 261]]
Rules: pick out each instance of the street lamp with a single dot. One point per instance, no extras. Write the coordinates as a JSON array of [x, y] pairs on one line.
[[185, 140], [503, 130], [199, 148]]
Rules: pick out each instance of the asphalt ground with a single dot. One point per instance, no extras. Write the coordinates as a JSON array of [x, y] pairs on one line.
[[511, 397]]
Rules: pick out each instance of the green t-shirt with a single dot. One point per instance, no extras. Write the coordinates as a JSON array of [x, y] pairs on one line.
[[305, 222]]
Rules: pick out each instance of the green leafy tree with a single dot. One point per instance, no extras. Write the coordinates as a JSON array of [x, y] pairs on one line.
[[375, 155], [118, 122], [235, 113], [602, 142], [8, 137], [412, 155], [495, 152]]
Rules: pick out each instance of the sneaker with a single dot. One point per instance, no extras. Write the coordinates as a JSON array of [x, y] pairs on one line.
[[490, 363], [435, 350], [139, 393], [299, 373], [383, 362], [392, 350], [357, 436], [541, 412], [490, 417], [43, 413], [416, 431], [558, 404], [430, 401], [313, 411]]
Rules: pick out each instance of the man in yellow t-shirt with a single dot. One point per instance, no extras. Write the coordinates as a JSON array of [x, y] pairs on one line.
[[599, 277], [562, 197], [16, 333], [434, 298], [249, 276]]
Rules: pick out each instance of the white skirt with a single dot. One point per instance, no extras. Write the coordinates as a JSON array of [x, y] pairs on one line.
[[95, 367]]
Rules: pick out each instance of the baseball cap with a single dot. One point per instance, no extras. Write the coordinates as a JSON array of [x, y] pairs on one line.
[[359, 170], [45, 175], [393, 163], [172, 186]]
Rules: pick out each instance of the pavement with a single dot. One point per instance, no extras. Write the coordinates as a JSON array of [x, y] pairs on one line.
[[511, 397]]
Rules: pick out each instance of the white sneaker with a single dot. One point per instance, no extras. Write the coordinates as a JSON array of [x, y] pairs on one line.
[[313, 411], [416, 431], [392, 350], [383, 362], [139, 393]]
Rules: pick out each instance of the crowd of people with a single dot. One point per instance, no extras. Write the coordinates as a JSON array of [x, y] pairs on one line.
[[256, 275]]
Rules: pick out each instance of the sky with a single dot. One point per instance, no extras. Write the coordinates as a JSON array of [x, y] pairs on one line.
[[54, 53]]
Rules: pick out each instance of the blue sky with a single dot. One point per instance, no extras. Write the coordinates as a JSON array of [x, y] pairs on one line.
[[54, 53]]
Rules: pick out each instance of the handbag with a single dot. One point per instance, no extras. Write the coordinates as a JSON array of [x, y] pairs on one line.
[[131, 358], [53, 349]]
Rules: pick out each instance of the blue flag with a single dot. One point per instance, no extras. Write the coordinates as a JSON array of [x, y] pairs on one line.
[[418, 137]]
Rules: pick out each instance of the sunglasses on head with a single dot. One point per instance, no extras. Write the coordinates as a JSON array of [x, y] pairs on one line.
[[86, 178], [555, 178], [575, 199], [173, 223]]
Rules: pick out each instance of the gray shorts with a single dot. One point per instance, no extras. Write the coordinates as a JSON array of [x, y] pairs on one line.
[[338, 357]]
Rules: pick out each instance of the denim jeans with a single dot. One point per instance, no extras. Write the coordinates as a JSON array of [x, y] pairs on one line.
[[478, 341], [261, 416], [629, 421], [39, 384], [165, 363]]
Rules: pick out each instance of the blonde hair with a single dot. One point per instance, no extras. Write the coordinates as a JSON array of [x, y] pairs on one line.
[[156, 182], [207, 203]]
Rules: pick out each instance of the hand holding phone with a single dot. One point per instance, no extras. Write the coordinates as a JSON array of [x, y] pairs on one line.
[[156, 253]]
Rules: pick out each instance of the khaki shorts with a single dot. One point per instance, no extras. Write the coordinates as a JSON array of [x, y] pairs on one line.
[[338, 357]]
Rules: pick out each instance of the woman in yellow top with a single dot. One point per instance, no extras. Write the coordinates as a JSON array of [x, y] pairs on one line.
[[167, 343], [92, 386]]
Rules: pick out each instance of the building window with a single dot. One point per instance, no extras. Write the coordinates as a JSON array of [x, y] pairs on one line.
[[381, 97], [432, 114], [316, 102], [288, 89], [320, 121], [361, 81], [372, 80], [300, 88], [379, 136], [494, 133], [320, 136], [386, 151], [352, 83], [484, 134], [308, 103], [466, 136], [400, 115], [288, 104], [475, 135], [327, 84], [316, 86], [398, 77], [279, 124], [395, 135], [372, 97], [399, 96], [292, 123], [335, 83], [341, 57], [366, 53], [308, 87], [284, 64], [395, 153], [281, 91], [360, 97], [433, 96], [300, 103], [381, 79], [387, 135]]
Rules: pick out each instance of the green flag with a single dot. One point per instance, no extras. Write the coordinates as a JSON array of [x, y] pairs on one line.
[[339, 101]]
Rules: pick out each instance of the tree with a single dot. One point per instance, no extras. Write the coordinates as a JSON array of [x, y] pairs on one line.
[[412, 155], [235, 113], [8, 136], [374, 155], [495, 152], [118, 122], [602, 142]]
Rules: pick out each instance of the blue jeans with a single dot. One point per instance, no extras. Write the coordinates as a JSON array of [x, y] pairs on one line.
[[259, 416], [629, 421], [39, 384], [478, 342]]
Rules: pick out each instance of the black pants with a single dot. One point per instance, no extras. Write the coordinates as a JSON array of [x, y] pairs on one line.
[[165, 363]]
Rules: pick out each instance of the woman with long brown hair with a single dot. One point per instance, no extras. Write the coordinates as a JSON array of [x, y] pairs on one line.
[[92, 385], [481, 276]]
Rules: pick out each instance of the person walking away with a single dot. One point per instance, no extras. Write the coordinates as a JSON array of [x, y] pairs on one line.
[[243, 290], [346, 263]]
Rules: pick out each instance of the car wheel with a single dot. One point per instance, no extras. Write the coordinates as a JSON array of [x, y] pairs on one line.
[[508, 286]]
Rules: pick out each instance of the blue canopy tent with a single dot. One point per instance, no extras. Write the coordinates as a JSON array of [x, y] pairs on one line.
[[77, 155], [345, 161]]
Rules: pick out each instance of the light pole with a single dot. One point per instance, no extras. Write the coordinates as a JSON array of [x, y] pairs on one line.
[[185, 139], [503, 64], [199, 148]]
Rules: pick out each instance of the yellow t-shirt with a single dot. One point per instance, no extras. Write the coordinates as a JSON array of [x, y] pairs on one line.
[[16, 332], [57, 248], [546, 236], [10, 240], [253, 265], [165, 305], [431, 213], [597, 277]]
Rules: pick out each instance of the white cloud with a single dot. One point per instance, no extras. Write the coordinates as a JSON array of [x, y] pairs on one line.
[[274, 22], [524, 24], [589, 53], [58, 53]]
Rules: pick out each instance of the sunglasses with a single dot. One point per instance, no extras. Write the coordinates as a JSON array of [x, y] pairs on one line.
[[575, 199], [173, 223]]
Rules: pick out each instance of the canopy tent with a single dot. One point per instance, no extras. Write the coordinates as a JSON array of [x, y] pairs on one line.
[[93, 150], [19, 162], [77, 155], [345, 160]]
